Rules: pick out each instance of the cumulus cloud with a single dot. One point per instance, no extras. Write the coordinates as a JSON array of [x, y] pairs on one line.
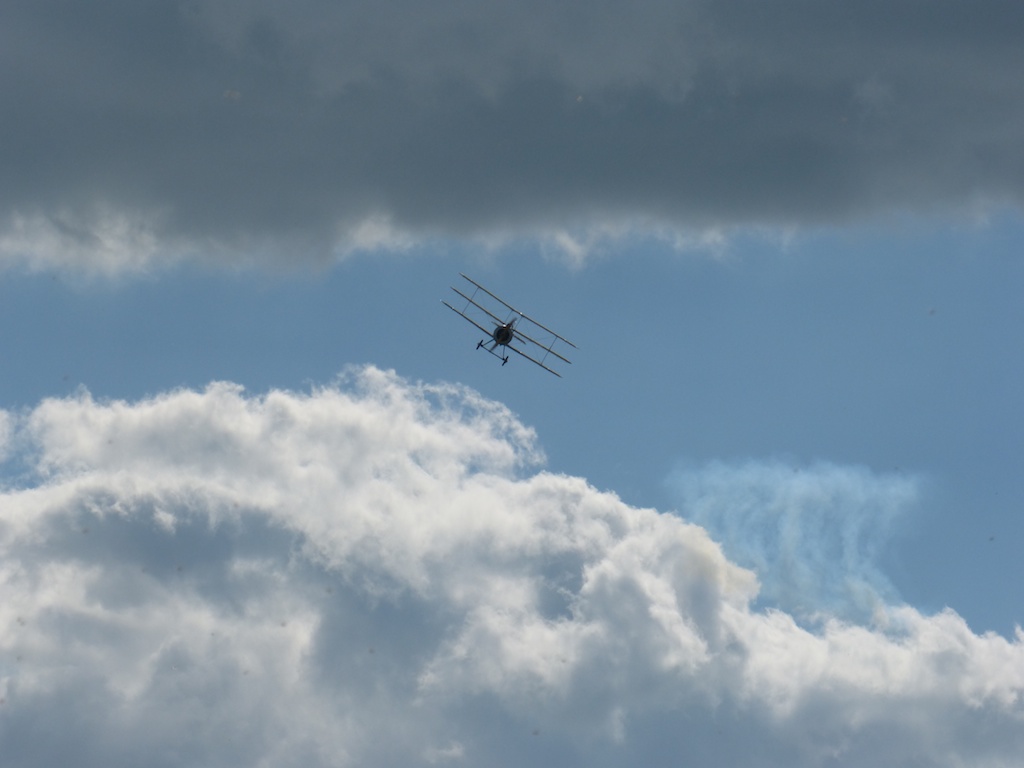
[[6, 432], [381, 572], [139, 133]]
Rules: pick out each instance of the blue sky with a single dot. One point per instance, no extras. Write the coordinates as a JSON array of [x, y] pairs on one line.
[[881, 350], [255, 471]]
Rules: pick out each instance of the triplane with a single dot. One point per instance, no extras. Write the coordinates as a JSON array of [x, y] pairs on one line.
[[508, 332]]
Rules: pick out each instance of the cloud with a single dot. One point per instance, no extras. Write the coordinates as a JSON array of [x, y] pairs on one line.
[[814, 535], [6, 432], [235, 132], [381, 572]]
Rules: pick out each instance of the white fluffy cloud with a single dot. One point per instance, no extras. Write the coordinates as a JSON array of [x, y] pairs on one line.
[[380, 573], [144, 132]]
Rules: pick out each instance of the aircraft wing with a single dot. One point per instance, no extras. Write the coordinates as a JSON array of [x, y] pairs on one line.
[[521, 314], [547, 349], [481, 307], [535, 362], [466, 317]]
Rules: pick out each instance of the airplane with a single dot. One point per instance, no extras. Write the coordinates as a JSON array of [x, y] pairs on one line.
[[508, 330]]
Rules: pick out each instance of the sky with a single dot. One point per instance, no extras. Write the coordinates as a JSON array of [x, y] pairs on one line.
[[262, 503]]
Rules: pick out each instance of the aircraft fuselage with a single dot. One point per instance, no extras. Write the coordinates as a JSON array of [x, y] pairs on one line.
[[503, 334]]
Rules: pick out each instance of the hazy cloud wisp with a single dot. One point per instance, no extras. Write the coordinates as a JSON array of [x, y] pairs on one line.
[[814, 533]]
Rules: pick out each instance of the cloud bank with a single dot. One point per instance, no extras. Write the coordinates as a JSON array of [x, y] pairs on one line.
[[144, 132], [381, 573]]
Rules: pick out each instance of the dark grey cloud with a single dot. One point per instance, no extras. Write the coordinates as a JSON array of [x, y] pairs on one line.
[[169, 128]]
